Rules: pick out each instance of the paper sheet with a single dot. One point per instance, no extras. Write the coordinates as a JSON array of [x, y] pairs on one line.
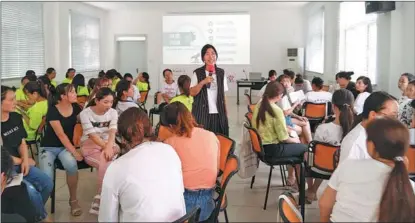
[[17, 180]]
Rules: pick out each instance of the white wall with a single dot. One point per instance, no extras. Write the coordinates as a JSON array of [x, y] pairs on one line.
[[272, 32], [395, 44], [57, 39]]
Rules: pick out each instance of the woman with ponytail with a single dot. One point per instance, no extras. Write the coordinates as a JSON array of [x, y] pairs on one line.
[[377, 189], [184, 88], [57, 142], [37, 94], [333, 132], [123, 91], [344, 78], [268, 119]]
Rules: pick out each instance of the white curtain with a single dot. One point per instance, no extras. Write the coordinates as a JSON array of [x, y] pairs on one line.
[[315, 42]]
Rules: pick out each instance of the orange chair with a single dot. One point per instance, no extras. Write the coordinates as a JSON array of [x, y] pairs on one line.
[[77, 134], [410, 154], [82, 101], [287, 209], [231, 168], [227, 147], [316, 113], [190, 217], [251, 108], [322, 159], [163, 132], [143, 98], [275, 161], [248, 116]]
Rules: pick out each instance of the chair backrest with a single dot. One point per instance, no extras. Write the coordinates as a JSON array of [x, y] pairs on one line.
[[248, 98], [411, 157], [155, 97], [322, 157], [249, 116], [227, 147], [256, 142], [40, 129], [190, 217], [77, 134], [287, 208], [143, 96], [315, 110], [231, 168], [82, 100], [163, 132], [251, 108]]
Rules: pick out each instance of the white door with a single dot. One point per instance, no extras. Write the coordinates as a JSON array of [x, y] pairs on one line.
[[132, 57]]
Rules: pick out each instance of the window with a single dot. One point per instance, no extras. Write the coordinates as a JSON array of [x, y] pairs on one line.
[[357, 40], [315, 43], [84, 42], [22, 44]]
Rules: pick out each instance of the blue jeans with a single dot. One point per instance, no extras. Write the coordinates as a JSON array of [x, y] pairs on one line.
[[39, 186], [47, 158], [203, 198]]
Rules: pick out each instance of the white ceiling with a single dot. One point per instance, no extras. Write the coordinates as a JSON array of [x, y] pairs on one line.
[[191, 6]]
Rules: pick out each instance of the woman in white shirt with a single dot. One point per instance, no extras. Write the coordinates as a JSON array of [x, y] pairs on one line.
[[378, 104], [402, 85], [301, 84], [364, 87], [406, 111], [377, 189], [318, 95], [333, 132], [136, 95], [146, 183], [123, 91], [99, 124]]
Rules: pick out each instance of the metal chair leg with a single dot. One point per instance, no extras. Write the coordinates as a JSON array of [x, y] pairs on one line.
[[269, 182], [52, 195], [31, 151], [252, 181], [302, 190], [282, 175], [226, 216], [296, 176]]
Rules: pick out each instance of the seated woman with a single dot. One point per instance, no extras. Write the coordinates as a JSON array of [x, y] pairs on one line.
[[99, 83], [57, 141], [136, 96], [377, 189], [37, 93], [70, 74], [344, 78], [269, 121], [142, 81], [146, 183], [123, 91], [184, 88], [167, 91], [318, 95], [402, 85], [294, 122], [364, 87], [378, 104], [198, 150], [13, 134], [406, 113], [91, 84], [99, 124], [272, 76], [302, 84], [81, 90], [333, 132], [23, 102]]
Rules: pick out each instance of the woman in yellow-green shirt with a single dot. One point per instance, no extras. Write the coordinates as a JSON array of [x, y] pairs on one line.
[[81, 90], [70, 74], [142, 81], [268, 119], [184, 97], [51, 74], [22, 101], [36, 92]]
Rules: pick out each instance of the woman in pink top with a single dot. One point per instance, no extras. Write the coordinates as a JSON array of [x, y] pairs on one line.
[[198, 150]]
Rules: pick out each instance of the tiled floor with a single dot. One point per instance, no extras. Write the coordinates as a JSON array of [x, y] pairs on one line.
[[245, 204]]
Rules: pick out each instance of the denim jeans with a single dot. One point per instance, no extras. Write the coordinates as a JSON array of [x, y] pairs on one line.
[[47, 158], [203, 198], [39, 186]]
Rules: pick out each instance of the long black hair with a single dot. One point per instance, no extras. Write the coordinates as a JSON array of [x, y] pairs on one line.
[[6, 165], [391, 141], [61, 89], [376, 102], [345, 74], [36, 86], [146, 77], [272, 90], [69, 70], [184, 83], [78, 80], [343, 99], [122, 85], [367, 82]]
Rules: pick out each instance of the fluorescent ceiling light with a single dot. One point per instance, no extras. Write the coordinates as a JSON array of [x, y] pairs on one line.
[[131, 38]]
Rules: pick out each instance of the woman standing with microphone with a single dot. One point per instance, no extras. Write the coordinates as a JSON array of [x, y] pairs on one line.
[[208, 87]]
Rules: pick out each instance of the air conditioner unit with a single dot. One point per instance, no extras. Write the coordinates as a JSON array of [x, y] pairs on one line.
[[295, 60]]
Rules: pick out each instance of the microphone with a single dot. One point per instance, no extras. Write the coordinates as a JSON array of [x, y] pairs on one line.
[[211, 69]]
